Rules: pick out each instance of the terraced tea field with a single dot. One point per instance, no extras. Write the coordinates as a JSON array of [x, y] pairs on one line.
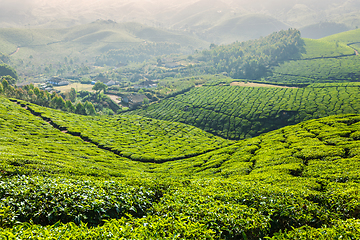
[[331, 59], [137, 138], [160, 172], [295, 181], [241, 112]]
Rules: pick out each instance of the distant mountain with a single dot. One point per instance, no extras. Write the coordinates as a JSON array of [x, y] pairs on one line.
[[200, 17], [243, 28], [83, 43], [320, 30]]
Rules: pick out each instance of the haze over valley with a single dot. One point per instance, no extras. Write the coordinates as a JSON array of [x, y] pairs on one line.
[[203, 18], [193, 119]]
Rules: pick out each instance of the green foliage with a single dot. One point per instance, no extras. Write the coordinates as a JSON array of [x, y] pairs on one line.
[[324, 49], [98, 177], [251, 59], [101, 102], [100, 86], [340, 230], [30, 145], [7, 70], [79, 109], [37, 96], [46, 201], [72, 95], [89, 108], [294, 182], [241, 112], [327, 70], [151, 227], [138, 138], [9, 79]]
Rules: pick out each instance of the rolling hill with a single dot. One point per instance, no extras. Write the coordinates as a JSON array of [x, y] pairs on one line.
[[330, 59], [236, 112], [295, 181], [214, 157], [203, 18], [320, 30], [243, 28], [85, 41]]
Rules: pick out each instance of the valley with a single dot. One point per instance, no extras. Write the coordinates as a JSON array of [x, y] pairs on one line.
[[132, 131]]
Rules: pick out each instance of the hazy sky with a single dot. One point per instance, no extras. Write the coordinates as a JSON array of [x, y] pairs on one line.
[[25, 12]]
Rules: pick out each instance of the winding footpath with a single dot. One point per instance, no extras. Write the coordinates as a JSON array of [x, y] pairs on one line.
[[16, 51]]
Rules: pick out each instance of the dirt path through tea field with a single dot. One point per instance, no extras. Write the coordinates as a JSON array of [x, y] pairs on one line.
[[249, 84]]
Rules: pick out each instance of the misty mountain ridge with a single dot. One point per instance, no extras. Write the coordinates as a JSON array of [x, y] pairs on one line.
[[187, 15]]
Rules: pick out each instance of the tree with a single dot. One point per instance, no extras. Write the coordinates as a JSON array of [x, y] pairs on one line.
[[72, 95], [60, 103], [9, 79], [80, 109], [213, 45], [69, 106], [1, 88], [99, 86], [5, 84], [89, 108]]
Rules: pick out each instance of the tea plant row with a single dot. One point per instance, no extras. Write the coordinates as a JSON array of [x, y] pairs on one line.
[[344, 69], [294, 181], [134, 137], [242, 112]]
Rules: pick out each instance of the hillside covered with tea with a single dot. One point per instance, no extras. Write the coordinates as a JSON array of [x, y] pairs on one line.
[[157, 134], [297, 180], [237, 112]]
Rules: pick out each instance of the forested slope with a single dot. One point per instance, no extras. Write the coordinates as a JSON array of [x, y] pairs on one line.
[[282, 57]]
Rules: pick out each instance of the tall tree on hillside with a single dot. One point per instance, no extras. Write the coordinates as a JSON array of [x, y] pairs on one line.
[[72, 95], [69, 106], [5, 84], [80, 109], [89, 108]]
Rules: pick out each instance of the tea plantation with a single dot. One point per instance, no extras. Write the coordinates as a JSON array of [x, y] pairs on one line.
[[209, 162], [298, 182], [331, 59], [235, 112], [137, 138]]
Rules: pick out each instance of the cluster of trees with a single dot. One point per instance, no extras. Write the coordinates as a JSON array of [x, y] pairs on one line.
[[33, 94], [101, 102], [252, 59], [138, 53]]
